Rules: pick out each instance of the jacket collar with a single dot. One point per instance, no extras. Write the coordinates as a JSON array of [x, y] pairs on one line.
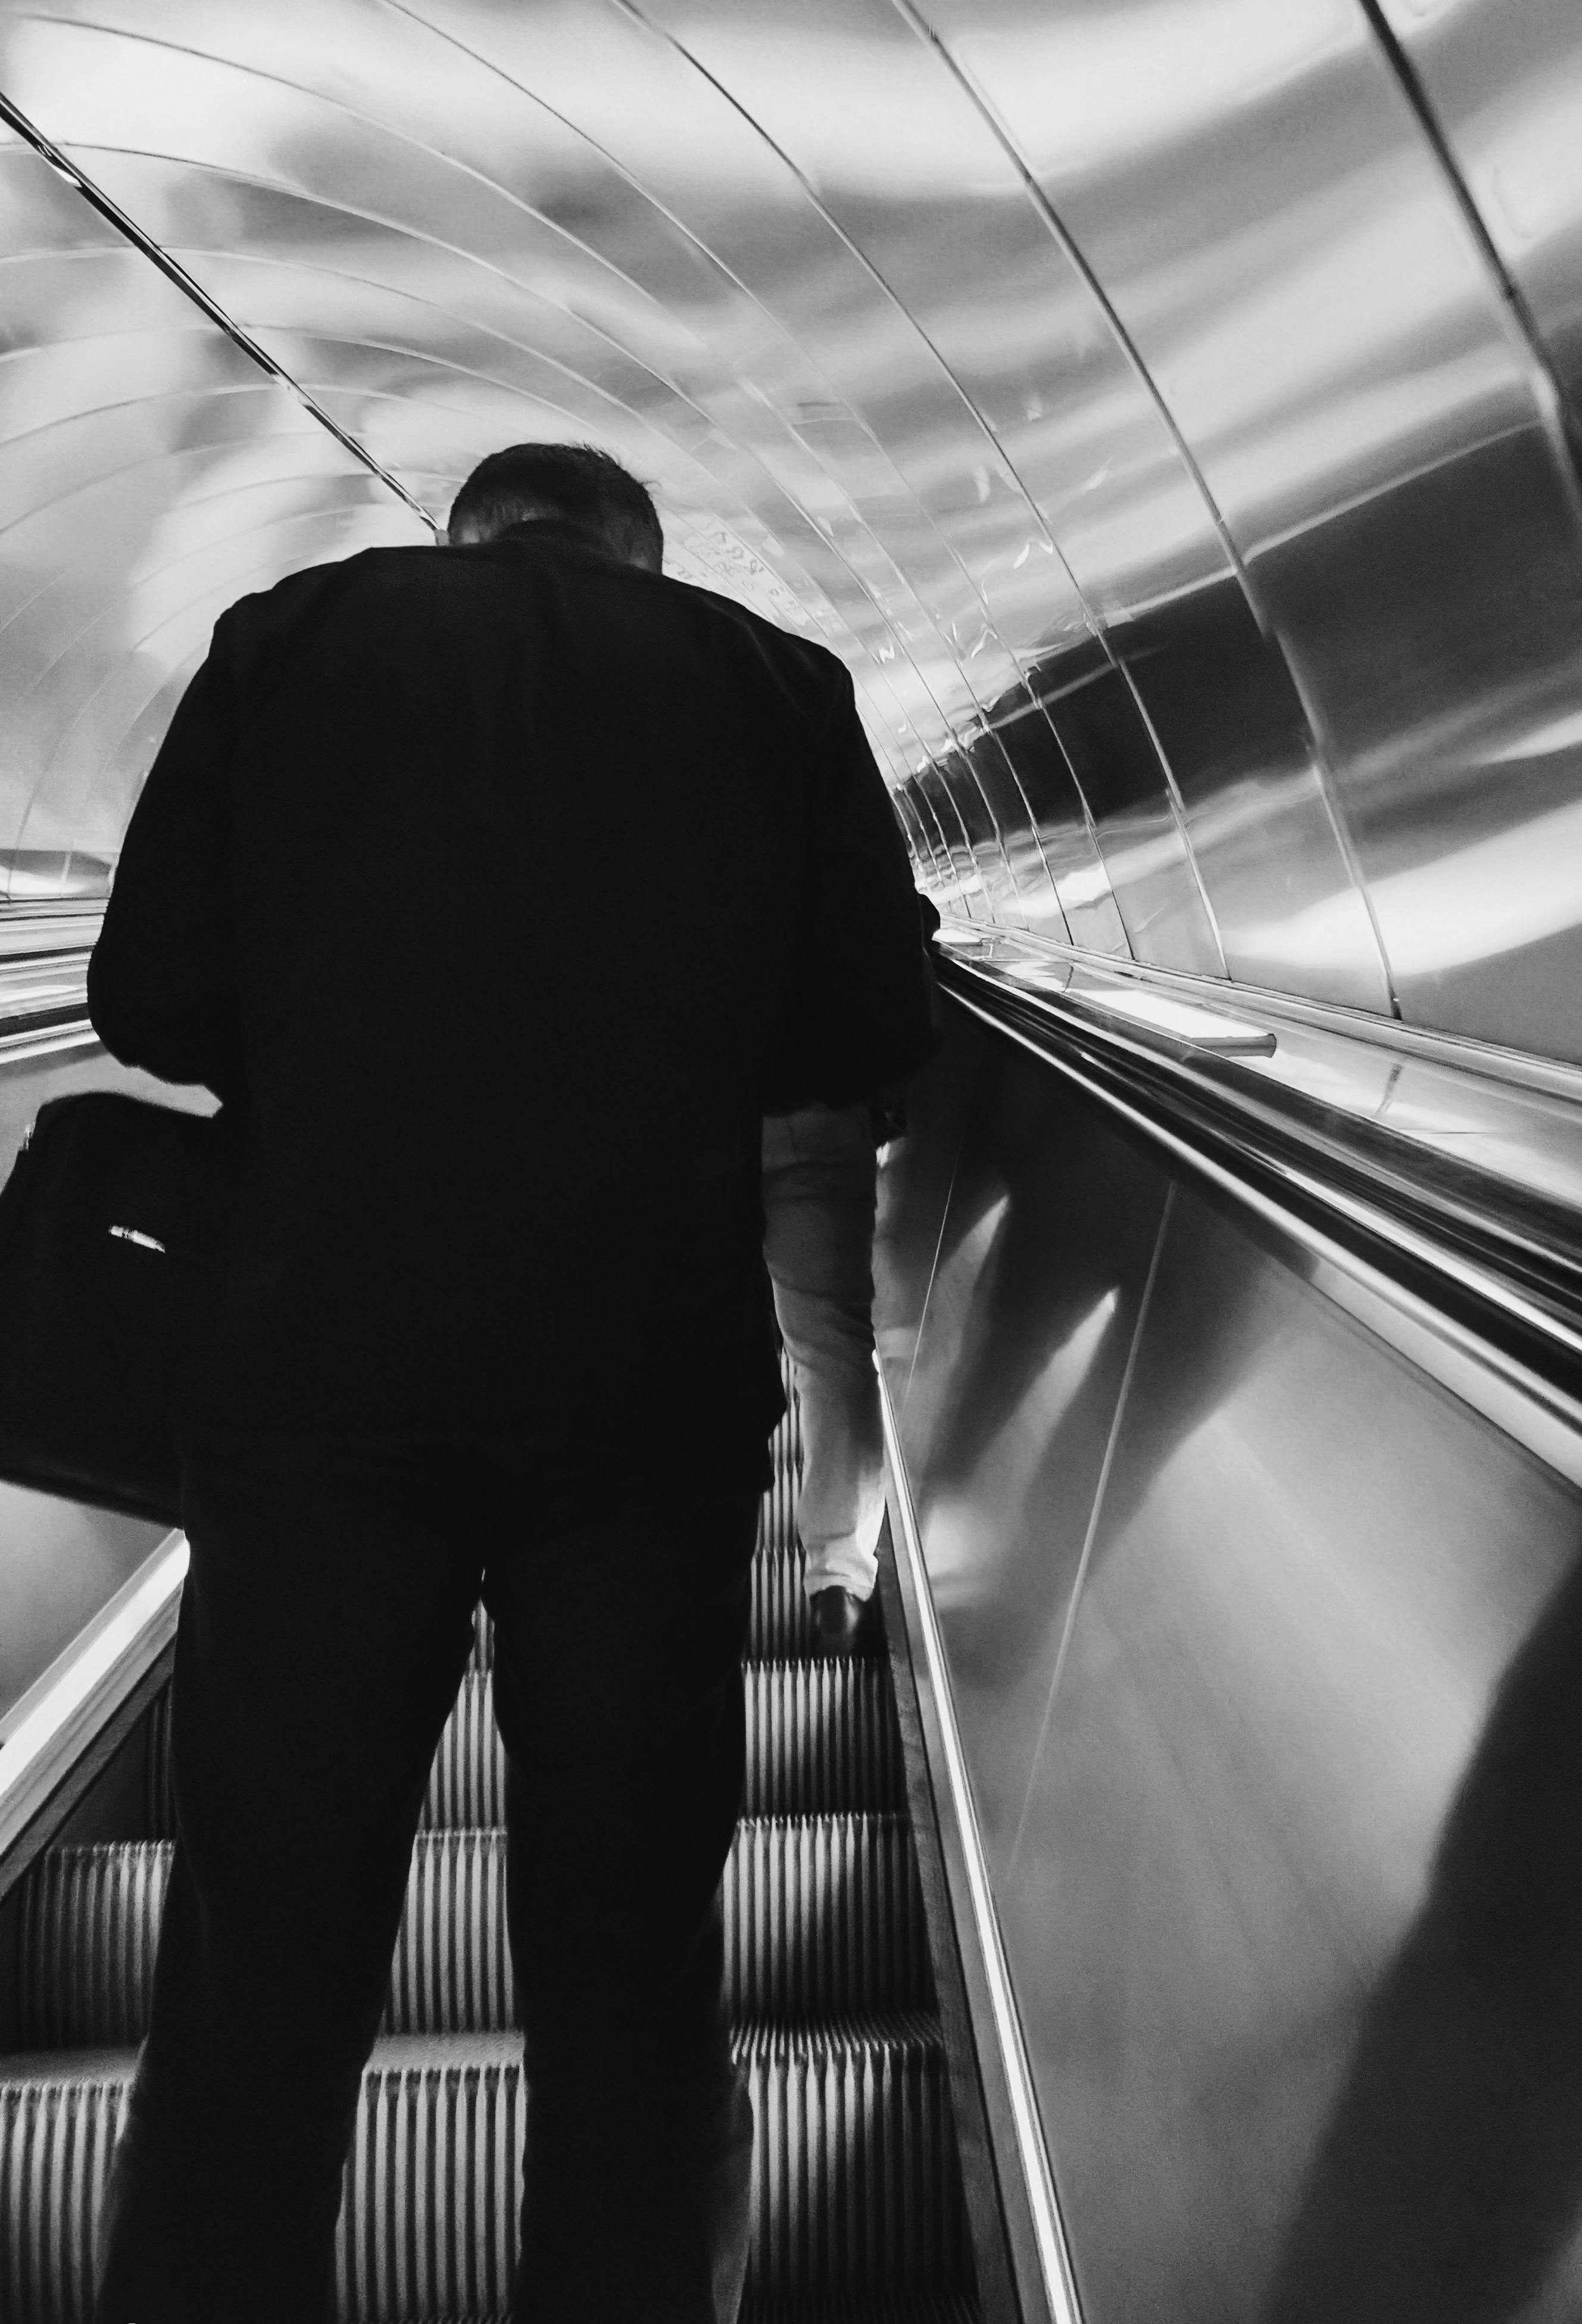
[[552, 535]]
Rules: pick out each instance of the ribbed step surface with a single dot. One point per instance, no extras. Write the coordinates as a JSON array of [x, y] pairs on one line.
[[821, 1740], [823, 1917], [858, 2213], [856, 2187]]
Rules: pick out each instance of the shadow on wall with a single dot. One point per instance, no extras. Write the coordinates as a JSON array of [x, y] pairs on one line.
[[1283, 1821], [1447, 2187]]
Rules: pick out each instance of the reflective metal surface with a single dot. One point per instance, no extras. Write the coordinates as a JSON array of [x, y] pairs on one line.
[[1123, 389], [43, 1731], [1276, 236], [148, 474], [1264, 1652], [1482, 1129], [1505, 88], [1118, 384]]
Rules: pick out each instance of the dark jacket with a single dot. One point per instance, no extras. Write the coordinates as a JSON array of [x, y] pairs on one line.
[[498, 891]]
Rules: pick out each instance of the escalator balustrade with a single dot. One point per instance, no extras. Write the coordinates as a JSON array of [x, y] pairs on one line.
[[858, 2209]]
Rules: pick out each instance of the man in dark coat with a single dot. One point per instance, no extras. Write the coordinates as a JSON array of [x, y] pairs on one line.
[[498, 892]]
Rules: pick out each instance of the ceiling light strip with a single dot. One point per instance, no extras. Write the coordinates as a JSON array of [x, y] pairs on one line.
[[176, 273]]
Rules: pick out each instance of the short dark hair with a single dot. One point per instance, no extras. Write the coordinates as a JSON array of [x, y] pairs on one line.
[[576, 481]]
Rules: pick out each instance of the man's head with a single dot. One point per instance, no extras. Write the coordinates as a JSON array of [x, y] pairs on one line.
[[569, 483]]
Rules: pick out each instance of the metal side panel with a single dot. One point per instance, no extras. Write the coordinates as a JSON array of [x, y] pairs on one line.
[[1261, 1650]]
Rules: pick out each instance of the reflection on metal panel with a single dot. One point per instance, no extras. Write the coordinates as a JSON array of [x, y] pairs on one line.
[[1280, 1679], [1061, 824], [1031, 352], [1116, 767], [1278, 1795], [453, 263], [1275, 233], [1505, 85], [148, 474], [1034, 903], [1036, 1283], [966, 892], [1134, 356], [1219, 698], [971, 804], [922, 833]]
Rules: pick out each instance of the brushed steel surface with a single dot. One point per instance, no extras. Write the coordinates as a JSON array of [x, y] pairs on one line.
[[1028, 2227], [1505, 86], [1491, 1112], [1118, 387], [149, 473], [1004, 1412], [1276, 236], [1280, 1697], [1266, 1676]]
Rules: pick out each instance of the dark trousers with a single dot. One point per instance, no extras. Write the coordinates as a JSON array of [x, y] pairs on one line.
[[325, 1625]]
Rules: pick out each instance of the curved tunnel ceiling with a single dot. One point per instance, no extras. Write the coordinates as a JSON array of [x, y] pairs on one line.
[[1160, 404]]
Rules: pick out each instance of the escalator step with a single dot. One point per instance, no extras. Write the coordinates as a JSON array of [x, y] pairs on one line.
[[56, 2137], [781, 1625], [856, 2188], [856, 2182], [820, 1740], [777, 1522], [823, 1916], [776, 1518]]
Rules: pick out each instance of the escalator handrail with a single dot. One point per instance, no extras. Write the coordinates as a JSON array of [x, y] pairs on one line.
[[1478, 1333], [45, 1732]]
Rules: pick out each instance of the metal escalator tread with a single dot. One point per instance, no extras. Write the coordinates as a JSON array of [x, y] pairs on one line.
[[855, 2183], [858, 2211], [823, 1915], [821, 1739]]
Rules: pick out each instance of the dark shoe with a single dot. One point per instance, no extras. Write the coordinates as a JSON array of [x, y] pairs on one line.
[[839, 1622]]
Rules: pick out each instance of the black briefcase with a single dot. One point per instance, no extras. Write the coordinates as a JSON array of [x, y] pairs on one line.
[[110, 1227]]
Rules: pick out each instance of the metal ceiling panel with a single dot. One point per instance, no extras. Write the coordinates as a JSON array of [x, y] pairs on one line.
[[1061, 821], [1119, 388], [643, 373], [1506, 87], [148, 474], [1051, 413], [1275, 233], [579, 261]]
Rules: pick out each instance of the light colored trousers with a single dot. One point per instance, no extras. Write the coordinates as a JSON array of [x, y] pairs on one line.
[[818, 1246]]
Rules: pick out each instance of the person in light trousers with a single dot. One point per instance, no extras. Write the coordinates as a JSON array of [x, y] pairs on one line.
[[819, 1200]]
